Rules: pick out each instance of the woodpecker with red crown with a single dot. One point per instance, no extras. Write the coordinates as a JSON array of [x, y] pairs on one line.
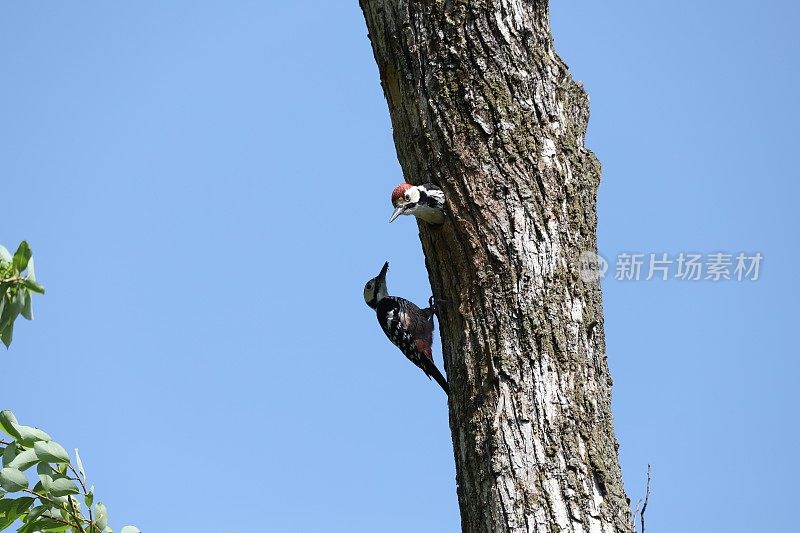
[[407, 326], [425, 202]]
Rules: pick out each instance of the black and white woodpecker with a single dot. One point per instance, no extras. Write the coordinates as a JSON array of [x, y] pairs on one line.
[[425, 202], [407, 326]]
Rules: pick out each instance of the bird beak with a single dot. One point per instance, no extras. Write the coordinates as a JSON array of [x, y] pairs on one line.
[[384, 270], [397, 212]]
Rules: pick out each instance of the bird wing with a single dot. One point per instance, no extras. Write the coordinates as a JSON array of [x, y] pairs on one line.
[[397, 319], [432, 196], [410, 329]]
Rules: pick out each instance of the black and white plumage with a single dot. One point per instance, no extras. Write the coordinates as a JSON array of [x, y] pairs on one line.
[[407, 326], [425, 202]]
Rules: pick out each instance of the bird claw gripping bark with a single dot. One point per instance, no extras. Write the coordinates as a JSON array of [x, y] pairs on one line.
[[432, 301]]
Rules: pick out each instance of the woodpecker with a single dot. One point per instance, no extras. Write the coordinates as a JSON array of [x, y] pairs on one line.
[[425, 202], [407, 326]]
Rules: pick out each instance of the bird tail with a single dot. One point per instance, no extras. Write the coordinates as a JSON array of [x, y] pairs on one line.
[[440, 379]]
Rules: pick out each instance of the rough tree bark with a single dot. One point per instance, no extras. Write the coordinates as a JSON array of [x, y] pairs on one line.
[[481, 105]]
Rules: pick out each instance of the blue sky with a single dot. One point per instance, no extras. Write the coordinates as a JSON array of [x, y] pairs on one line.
[[205, 187]]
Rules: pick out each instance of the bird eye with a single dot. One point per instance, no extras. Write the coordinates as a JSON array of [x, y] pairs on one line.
[[407, 197], [369, 285]]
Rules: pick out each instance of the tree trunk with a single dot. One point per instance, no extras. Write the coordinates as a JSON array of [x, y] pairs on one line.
[[482, 106]]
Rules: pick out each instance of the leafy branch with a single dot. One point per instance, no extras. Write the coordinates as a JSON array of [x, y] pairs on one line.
[[17, 282], [52, 504]]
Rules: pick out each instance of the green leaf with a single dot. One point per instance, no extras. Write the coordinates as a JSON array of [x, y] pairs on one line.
[[88, 499], [9, 453], [26, 312], [7, 335], [22, 256], [31, 270], [46, 475], [13, 480], [46, 481], [24, 460], [24, 503], [10, 510], [32, 286], [9, 424], [44, 524], [62, 487], [80, 464], [60, 501], [5, 255], [8, 314], [19, 301], [51, 452], [130, 529], [101, 516], [7, 310], [28, 435], [6, 520], [5, 505], [11, 311], [36, 512]]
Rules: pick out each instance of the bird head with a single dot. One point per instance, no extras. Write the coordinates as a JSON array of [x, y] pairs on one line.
[[375, 289], [404, 199]]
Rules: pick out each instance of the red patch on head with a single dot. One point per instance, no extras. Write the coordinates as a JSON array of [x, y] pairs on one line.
[[398, 191]]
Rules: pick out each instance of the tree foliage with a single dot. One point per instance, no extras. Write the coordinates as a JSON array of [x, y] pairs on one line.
[[17, 282], [41, 487]]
